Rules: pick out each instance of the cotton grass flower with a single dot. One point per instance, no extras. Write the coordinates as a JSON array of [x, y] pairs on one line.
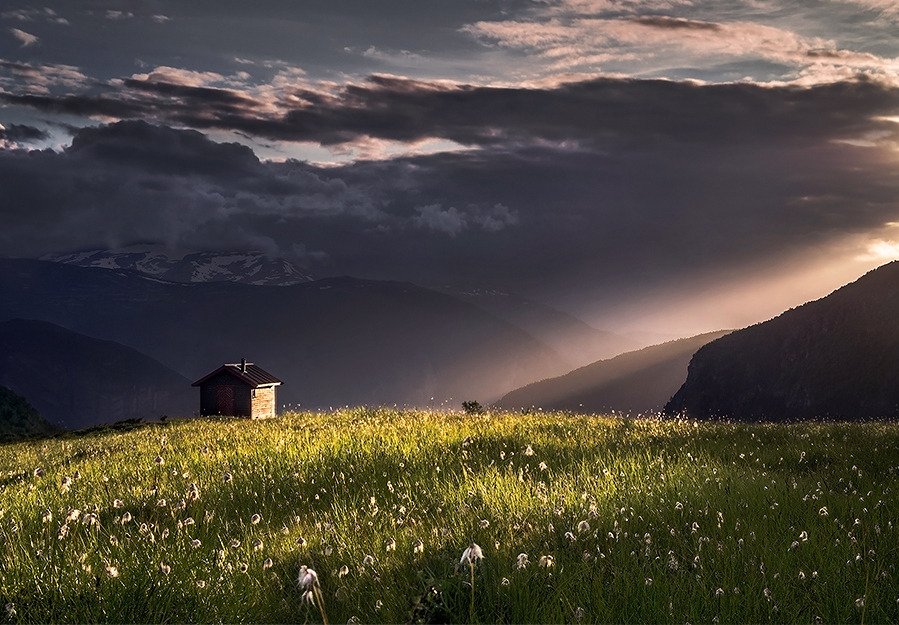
[[418, 546], [312, 592], [583, 527], [547, 561], [255, 519], [111, 570], [470, 557], [472, 554], [390, 544], [522, 562], [267, 564]]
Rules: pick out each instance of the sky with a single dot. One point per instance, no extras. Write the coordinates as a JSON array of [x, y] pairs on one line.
[[667, 165]]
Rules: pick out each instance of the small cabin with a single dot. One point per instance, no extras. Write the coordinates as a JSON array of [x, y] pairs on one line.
[[239, 390]]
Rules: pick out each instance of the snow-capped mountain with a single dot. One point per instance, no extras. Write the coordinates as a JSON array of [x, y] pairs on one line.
[[151, 261]]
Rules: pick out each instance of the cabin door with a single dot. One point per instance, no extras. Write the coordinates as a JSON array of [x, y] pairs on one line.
[[224, 400]]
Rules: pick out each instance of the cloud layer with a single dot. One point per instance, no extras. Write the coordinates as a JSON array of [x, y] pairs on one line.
[[582, 190]]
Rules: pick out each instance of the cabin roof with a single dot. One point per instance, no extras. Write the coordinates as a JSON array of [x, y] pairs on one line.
[[252, 375]]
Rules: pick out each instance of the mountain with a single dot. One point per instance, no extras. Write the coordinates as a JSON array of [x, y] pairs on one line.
[[333, 342], [156, 262], [833, 358], [75, 381], [638, 381], [18, 419], [578, 342]]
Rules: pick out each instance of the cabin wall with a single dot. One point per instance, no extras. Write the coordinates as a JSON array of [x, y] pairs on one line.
[[225, 395], [264, 402]]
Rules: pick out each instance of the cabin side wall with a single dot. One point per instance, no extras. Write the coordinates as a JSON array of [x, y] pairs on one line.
[[264, 402], [225, 395]]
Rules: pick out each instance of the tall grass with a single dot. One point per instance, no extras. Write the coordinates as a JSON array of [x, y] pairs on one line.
[[645, 521]]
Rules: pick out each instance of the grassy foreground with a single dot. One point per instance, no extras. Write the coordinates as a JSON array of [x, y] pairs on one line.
[[620, 521]]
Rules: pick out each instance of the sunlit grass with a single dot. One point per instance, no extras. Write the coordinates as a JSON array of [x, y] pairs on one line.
[[621, 521]]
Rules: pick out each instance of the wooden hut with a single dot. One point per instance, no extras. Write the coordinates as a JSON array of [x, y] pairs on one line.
[[240, 390]]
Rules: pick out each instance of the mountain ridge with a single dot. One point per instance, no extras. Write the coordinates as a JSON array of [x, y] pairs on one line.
[[637, 381], [836, 357], [76, 381], [334, 341], [251, 267]]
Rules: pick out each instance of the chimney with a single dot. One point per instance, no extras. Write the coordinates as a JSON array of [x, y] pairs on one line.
[[243, 365]]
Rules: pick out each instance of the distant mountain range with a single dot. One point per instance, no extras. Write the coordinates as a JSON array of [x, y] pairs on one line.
[[333, 342], [75, 381], [156, 262], [837, 357], [579, 342], [18, 419], [635, 382]]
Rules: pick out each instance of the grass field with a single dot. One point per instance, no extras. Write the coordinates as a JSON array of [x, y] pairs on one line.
[[620, 521]]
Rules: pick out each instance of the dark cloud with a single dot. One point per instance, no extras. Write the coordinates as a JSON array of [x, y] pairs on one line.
[[80, 105], [201, 95], [20, 133], [676, 23], [602, 113]]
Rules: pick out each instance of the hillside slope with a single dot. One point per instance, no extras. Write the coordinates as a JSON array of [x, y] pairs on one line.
[[637, 381], [18, 419], [836, 357], [75, 381], [333, 342]]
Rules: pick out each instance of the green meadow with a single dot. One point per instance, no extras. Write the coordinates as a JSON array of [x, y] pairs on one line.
[[578, 519]]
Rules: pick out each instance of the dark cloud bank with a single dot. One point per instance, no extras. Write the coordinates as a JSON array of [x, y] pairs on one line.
[[593, 186]]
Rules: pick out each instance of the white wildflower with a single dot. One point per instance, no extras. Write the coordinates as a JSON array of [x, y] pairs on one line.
[[471, 555]]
